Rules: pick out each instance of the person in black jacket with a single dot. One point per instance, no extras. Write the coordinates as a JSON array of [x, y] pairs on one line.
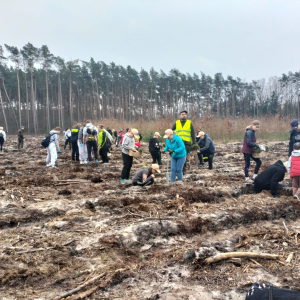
[[74, 139], [207, 149], [154, 149], [294, 135], [270, 177]]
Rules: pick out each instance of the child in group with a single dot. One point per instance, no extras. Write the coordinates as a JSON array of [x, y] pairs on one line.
[[294, 170], [294, 135], [248, 146]]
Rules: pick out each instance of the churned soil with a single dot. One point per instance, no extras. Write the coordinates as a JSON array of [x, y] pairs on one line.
[[77, 228]]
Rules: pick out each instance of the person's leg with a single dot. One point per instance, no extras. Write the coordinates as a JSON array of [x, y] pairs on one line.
[[102, 154], [129, 168], [73, 153], [153, 157], [22, 144], [70, 144], [76, 151], [159, 158], [80, 151], [48, 159], [173, 169], [179, 167], [19, 143], [298, 185], [53, 154], [295, 185], [89, 151], [85, 152], [126, 164], [210, 161], [1, 143], [66, 143], [105, 152], [187, 147], [258, 164], [95, 149], [247, 164]]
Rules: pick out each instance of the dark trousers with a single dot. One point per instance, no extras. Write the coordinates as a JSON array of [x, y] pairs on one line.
[[20, 144], [103, 154], [68, 141], [156, 157], [187, 147], [1, 143], [91, 145], [75, 151], [127, 164], [148, 182], [210, 157], [247, 164]]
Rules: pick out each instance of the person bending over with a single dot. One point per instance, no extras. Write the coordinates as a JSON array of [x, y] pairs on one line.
[[145, 176], [207, 149]]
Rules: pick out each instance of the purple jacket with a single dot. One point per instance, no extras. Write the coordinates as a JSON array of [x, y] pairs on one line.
[[249, 141]]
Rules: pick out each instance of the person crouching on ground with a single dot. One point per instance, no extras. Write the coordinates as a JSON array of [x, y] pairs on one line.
[[294, 170], [2, 137], [176, 148], [145, 176], [51, 149], [154, 149], [207, 149], [248, 146], [128, 144], [269, 178]]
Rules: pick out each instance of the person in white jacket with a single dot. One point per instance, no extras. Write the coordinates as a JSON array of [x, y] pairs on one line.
[[81, 147], [51, 149], [2, 137]]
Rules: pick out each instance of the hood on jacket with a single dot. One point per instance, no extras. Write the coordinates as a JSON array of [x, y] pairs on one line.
[[296, 153], [89, 124], [280, 164], [53, 131]]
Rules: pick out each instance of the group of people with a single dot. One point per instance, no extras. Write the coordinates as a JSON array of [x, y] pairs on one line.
[[87, 141]]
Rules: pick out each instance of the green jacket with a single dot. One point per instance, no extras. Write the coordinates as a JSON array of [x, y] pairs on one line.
[[102, 137]]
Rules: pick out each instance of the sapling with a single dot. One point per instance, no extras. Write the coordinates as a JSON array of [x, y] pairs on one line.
[[194, 147], [140, 151]]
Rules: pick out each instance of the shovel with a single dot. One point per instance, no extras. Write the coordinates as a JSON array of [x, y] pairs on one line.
[[167, 174]]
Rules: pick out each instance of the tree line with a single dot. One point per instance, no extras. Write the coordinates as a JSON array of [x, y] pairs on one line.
[[40, 90]]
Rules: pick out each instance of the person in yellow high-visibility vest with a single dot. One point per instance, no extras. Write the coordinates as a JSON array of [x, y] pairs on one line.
[[185, 129]]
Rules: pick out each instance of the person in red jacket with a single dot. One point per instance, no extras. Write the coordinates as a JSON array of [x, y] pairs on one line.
[[294, 170]]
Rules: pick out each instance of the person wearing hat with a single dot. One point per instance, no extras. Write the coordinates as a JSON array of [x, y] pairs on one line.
[[269, 178], [207, 148], [128, 144], [21, 137], [294, 170], [176, 148], [2, 137], [154, 149], [145, 176], [294, 135]]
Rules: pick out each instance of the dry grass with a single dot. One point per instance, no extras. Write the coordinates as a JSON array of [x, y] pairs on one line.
[[226, 130]]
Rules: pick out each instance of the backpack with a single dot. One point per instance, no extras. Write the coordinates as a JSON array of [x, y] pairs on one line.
[[261, 291], [91, 134], [1, 135], [46, 141]]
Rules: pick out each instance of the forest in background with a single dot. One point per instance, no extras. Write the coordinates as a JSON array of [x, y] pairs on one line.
[[40, 91]]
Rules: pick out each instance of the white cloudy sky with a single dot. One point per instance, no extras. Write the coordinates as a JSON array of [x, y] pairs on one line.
[[250, 39]]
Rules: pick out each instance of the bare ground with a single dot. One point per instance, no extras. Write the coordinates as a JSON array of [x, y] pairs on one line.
[[62, 227]]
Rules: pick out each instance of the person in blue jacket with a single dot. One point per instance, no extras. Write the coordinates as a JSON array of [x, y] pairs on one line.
[[207, 148], [176, 148]]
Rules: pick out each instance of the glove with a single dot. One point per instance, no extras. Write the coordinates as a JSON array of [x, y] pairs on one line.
[[81, 145], [58, 149]]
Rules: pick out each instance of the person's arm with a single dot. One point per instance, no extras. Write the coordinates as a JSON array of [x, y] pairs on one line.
[[289, 165], [126, 144], [166, 148], [291, 144], [206, 146], [249, 138], [193, 134], [4, 136], [174, 126], [180, 145], [56, 141], [277, 177]]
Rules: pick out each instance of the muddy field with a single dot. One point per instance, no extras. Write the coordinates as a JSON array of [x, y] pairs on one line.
[[77, 227]]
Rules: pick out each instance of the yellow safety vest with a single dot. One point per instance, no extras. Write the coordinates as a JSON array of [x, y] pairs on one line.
[[184, 132]]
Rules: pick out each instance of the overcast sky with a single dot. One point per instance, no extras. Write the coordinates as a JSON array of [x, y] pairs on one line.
[[250, 39]]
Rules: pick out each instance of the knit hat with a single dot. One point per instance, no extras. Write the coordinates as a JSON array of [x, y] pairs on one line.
[[168, 132], [157, 133], [200, 134], [296, 146], [294, 124], [155, 167]]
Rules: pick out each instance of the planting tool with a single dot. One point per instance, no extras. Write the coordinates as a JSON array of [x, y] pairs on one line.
[[167, 174]]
